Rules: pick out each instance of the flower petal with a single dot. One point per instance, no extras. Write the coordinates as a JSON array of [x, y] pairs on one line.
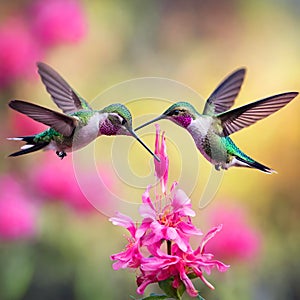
[[124, 221], [209, 236], [182, 203]]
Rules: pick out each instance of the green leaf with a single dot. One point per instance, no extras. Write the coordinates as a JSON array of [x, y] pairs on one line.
[[181, 289], [192, 276], [152, 297], [156, 297], [167, 287]]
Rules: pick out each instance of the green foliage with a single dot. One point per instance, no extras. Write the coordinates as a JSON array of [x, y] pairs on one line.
[[16, 271], [153, 297], [167, 287]]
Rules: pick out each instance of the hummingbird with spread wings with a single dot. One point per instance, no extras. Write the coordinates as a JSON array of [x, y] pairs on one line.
[[211, 129], [78, 124]]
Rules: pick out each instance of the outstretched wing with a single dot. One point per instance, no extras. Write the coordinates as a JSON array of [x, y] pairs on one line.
[[224, 95], [247, 115], [61, 92], [62, 123]]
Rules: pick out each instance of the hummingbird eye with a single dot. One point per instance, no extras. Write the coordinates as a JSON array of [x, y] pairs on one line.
[[176, 112], [123, 121]]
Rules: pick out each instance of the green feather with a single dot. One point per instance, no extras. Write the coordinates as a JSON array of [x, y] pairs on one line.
[[47, 136], [232, 149], [120, 109]]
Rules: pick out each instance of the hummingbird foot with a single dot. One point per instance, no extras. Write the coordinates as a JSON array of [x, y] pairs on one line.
[[61, 154], [220, 166], [217, 167]]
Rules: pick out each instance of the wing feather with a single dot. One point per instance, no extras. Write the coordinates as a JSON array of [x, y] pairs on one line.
[[62, 123], [224, 95], [61, 92], [247, 115]]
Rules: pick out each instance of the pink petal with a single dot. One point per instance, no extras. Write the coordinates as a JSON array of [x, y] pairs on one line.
[[119, 265], [188, 283], [220, 266], [183, 245], [146, 211], [209, 236], [124, 221], [206, 282], [171, 233], [173, 186], [162, 167], [157, 229], [189, 229], [181, 202], [142, 229], [146, 198], [141, 289]]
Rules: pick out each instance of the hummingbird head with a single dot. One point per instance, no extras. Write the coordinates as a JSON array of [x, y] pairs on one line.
[[119, 122], [181, 113]]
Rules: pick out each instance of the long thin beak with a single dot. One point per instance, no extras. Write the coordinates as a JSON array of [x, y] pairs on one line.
[[139, 140], [150, 122]]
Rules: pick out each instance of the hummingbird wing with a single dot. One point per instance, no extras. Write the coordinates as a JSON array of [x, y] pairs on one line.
[[61, 92], [224, 95], [244, 116], [62, 123]]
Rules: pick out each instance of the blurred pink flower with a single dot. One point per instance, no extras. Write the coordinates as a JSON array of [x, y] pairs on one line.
[[238, 240], [17, 214], [21, 125], [58, 21], [18, 51], [55, 179]]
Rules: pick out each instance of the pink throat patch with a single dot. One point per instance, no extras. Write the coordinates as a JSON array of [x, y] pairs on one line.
[[183, 121], [107, 128]]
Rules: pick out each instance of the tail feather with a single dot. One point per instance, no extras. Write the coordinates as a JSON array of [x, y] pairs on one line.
[[256, 165], [30, 146]]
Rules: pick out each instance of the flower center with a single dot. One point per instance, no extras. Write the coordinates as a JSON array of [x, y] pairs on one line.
[[168, 218]]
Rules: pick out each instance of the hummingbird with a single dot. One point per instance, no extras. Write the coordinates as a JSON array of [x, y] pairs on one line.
[[211, 129], [77, 125]]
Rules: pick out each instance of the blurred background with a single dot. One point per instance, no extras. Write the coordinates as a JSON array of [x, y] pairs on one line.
[[53, 243]]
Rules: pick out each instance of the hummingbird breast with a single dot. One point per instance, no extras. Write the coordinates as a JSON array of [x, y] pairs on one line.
[[203, 130], [86, 133]]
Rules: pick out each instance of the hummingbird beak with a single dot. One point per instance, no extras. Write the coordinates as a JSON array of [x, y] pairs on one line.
[[145, 146], [150, 122]]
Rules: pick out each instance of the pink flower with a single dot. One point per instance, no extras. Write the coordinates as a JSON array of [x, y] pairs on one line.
[[162, 167], [17, 214], [180, 265], [172, 222], [58, 21], [160, 246], [131, 256], [22, 125], [18, 51], [237, 240]]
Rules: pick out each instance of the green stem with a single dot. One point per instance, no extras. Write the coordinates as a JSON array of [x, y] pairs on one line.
[[169, 246]]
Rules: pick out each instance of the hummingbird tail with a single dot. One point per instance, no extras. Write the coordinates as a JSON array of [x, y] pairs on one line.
[[254, 164], [30, 146]]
